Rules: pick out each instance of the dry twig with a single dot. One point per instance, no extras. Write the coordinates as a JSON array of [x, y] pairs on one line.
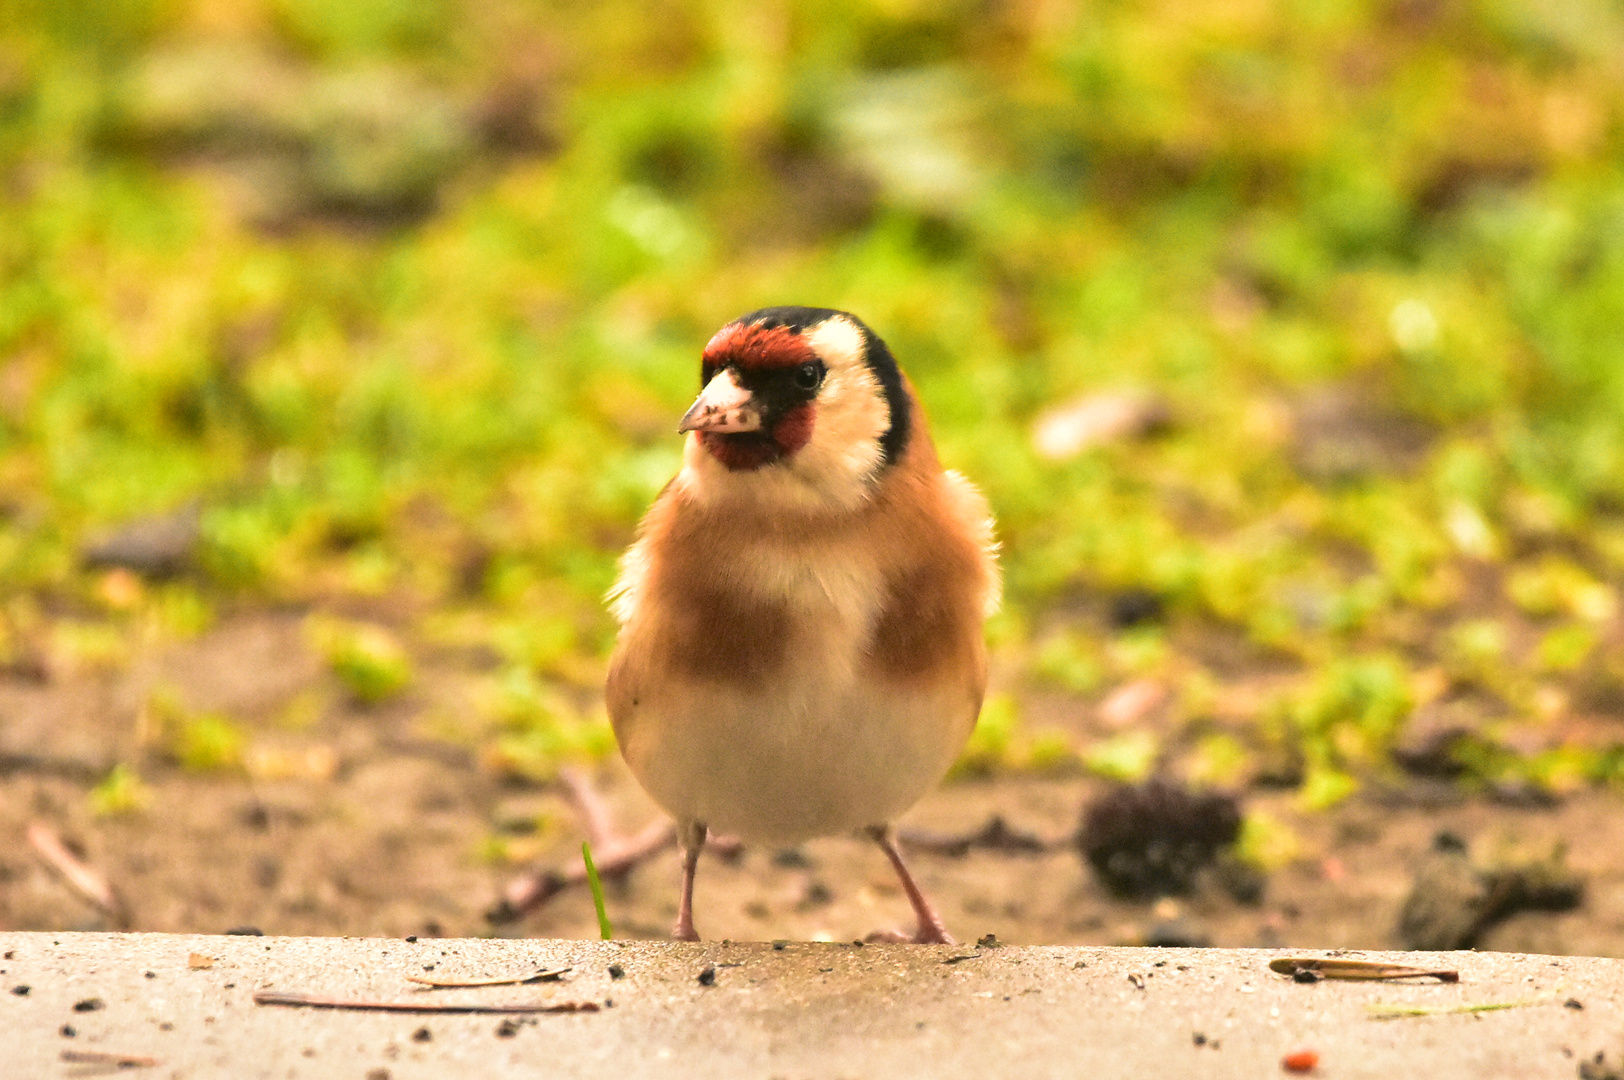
[[614, 853], [118, 1061], [995, 835], [525, 894], [316, 1001], [89, 884], [553, 975]]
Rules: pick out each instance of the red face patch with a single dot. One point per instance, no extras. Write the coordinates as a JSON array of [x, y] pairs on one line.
[[758, 347], [765, 358], [748, 451]]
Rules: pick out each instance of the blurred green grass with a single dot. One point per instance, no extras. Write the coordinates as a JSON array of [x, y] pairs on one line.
[[405, 298]]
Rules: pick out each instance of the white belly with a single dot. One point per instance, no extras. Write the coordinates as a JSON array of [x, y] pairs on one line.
[[810, 759]]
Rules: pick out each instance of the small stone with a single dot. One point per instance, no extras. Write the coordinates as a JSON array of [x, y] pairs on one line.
[[506, 1029], [707, 975], [245, 931], [379, 1073], [616, 971], [89, 1005], [20, 990], [1134, 606], [422, 1034], [1304, 975], [1573, 1003], [68, 1031], [158, 547]]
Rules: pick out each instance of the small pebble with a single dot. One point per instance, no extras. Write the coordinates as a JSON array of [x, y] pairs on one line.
[[1305, 975], [88, 1005], [1573, 1003], [68, 1031], [616, 971], [20, 990], [422, 1034], [707, 975], [1300, 1061], [245, 931], [506, 1029]]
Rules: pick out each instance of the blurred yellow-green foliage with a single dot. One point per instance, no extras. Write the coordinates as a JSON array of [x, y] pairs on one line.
[[403, 298]]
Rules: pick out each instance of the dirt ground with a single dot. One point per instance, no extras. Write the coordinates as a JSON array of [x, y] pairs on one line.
[[357, 822]]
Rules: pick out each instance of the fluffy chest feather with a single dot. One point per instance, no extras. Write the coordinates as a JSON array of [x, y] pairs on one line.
[[765, 616], [781, 683]]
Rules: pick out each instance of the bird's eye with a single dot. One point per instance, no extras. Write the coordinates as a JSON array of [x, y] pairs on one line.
[[809, 376]]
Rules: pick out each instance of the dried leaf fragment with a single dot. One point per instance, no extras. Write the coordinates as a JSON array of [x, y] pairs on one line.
[[1357, 969]]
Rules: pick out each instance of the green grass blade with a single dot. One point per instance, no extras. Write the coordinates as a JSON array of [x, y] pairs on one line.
[[604, 929], [1379, 1011]]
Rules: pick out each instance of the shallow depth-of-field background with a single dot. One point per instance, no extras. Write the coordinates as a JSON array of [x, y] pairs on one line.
[[342, 345]]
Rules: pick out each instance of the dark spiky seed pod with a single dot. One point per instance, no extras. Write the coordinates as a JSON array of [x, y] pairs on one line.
[[1153, 839]]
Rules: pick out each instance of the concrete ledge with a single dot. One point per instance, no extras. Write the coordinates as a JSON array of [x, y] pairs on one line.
[[803, 1010]]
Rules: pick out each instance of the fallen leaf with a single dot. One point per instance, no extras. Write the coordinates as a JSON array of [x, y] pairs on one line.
[[1067, 430]]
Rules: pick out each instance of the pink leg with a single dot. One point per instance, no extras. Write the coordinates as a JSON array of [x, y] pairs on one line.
[[931, 930], [691, 835]]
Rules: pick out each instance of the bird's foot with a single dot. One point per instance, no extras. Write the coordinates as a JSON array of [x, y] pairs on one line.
[[932, 935], [680, 932]]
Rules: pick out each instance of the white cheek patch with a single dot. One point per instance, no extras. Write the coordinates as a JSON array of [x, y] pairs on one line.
[[852, 416]]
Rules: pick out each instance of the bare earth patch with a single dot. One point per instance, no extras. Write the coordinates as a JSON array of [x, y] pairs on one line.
[[350, 821]]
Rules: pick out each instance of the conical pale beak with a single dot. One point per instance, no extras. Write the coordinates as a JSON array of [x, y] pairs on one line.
[[723, 406]]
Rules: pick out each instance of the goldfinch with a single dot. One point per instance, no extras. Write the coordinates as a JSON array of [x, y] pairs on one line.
[[800, 650]]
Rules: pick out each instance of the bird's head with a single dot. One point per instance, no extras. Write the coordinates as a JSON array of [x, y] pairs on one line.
[[808, 401]]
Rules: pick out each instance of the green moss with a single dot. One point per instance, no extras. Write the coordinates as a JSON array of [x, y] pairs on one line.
[[368, 660], [1128, 757], [208, 743], [1070, 662], [993, 739], [121, 792], [1266, 843]]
